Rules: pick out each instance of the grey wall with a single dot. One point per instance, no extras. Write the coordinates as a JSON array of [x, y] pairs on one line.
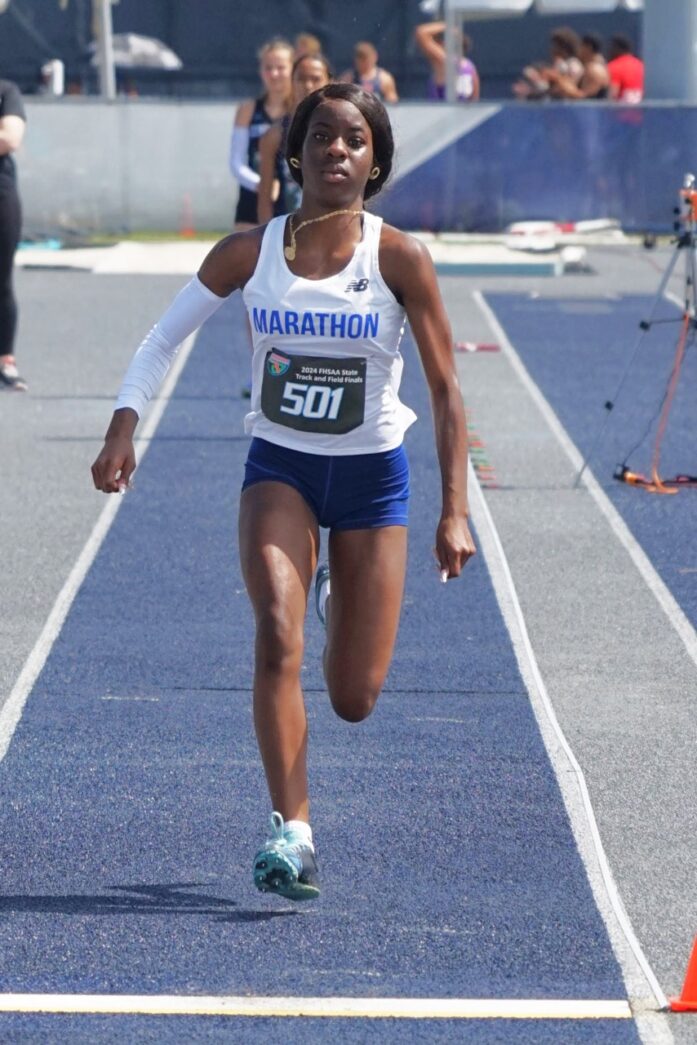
[[91, 166], [95, 167], [99, 167]]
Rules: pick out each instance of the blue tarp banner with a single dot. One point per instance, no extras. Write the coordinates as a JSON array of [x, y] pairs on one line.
[[553, 162]]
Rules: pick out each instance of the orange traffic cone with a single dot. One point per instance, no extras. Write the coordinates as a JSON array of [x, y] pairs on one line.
[[187, 219], [687, 1002]]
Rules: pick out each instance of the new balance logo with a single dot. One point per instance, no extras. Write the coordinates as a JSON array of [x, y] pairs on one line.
[[358, 284]]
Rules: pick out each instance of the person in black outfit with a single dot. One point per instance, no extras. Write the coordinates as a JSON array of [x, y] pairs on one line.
[[366, 73], [310, 72], [252, 120], [12, 123]]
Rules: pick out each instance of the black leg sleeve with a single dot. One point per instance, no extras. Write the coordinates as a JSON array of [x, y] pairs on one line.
[[10, 224]]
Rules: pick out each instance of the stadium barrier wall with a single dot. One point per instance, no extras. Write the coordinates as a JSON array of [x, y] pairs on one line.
[[92, 167]]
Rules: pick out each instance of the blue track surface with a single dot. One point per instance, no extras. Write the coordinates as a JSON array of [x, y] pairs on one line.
[[107, 1030], [127, 826], [576, 352]]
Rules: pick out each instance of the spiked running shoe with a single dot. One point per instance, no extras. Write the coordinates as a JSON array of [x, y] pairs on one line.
[[321, 579], [286, 865]]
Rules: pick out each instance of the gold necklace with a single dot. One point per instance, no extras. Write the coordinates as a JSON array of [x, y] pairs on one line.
[[289, 251]]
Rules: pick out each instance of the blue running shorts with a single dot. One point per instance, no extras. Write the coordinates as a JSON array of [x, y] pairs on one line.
[[347, 492]]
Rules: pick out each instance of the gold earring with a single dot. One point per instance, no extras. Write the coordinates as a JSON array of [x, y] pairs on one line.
[[375, 173], [294, 162]]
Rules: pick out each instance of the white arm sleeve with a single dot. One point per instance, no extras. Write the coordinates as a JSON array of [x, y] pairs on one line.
[[239, 164], [191, 307]]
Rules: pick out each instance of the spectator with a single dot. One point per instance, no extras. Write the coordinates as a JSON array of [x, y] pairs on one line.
[[252, 120], [430, 39], [306, 43], [367, 74], [310, 72], [536, 83], [595, 81], [12, 124], [626, 72]]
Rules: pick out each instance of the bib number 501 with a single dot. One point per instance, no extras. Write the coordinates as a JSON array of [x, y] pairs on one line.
[[315, 402]]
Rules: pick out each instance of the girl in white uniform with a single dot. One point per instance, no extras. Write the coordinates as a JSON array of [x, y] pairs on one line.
[[352, 315], [328, 290]]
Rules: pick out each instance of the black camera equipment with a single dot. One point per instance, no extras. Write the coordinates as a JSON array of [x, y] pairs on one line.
[[685, 226]]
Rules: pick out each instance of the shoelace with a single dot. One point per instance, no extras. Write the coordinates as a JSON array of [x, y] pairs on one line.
[[277, 828], [279, 837]]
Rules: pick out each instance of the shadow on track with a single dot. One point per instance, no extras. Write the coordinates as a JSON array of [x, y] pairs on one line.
[[146, 899]]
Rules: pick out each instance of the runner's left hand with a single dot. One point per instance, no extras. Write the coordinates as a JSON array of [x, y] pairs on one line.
[[454, 545]]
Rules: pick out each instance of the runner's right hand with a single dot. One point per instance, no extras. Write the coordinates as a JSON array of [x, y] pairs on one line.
[[112, 470]]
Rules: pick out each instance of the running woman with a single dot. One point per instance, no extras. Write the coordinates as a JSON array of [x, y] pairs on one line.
[[252, 119], [328, 290]]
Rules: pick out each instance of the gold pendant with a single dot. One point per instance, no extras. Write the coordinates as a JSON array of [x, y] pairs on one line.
[[289, 253]]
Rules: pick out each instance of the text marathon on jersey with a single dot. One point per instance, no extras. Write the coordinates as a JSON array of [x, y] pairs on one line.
[[316, 324]]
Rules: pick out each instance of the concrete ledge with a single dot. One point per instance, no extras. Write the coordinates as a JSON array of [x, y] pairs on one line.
[[451, 258]]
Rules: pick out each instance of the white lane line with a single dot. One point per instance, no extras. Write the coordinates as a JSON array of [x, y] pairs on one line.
[[654, 582], [338, 1008], [12, 710], [561, 756]]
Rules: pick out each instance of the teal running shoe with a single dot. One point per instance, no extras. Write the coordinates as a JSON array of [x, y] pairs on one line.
[[321, 579], [286, 864]]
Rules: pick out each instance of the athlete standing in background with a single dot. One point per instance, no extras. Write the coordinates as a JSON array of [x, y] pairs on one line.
[[252, 119], [306, 43], [430, 39], [310, 72], [366, 73], [328, 290], [12, 124]]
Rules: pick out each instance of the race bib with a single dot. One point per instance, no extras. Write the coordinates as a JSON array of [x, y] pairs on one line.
[[314, 394], [464, 85]]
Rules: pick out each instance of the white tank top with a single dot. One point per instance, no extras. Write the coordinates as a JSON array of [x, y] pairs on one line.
[[326, 367]]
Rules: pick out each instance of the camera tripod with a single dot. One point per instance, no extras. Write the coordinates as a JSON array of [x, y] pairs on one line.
[[686, 248]]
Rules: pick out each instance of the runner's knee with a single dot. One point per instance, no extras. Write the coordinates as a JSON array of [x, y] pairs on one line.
[[354, 701], [279, 642]]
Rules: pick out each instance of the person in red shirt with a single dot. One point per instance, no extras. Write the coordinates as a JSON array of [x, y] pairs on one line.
[[626, 72]]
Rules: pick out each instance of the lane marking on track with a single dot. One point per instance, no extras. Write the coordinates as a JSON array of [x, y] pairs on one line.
[[562, 758], [337, 1008], [654, 582], [577, 800], [12, 710], [405, 1008]]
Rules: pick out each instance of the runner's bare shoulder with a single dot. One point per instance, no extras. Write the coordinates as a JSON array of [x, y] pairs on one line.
[[232, 261], [402, 258]]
